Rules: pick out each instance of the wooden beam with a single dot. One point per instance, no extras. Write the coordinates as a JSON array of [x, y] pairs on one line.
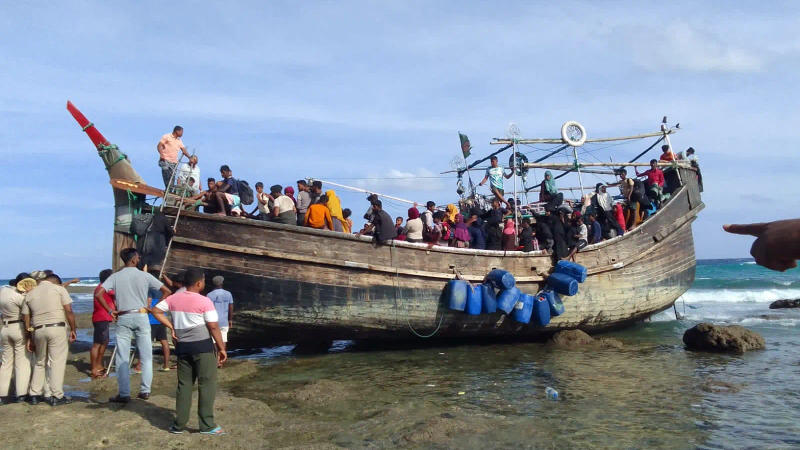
[[506, 141]]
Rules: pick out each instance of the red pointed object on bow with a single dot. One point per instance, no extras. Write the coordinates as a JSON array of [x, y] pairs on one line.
[[91, 131]]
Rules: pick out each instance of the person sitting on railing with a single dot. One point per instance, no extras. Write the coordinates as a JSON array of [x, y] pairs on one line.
[[667, 154], [399, 229], [381, 224], [689, 155], [335, 207], [413, 225], [187, 172], [635, 197], [319, 216], [654, 182], [227, 195], [303, 201], [283, 210], [495, 175], [548, 192], [603, 208], [580, 235], [348, 222], [207, 198]]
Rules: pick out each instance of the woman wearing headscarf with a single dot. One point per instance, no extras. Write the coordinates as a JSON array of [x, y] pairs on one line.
[[289, 192], [548, 192], [509, 236], [462, 236], [452, 212], [413, 226], [335, 207]]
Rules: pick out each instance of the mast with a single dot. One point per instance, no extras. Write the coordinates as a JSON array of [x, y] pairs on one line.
[[513, 131]]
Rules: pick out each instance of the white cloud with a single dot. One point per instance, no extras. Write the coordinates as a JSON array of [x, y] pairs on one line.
[[682, 46]]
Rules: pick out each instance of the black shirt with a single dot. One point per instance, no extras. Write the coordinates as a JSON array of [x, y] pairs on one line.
[[384, 226]]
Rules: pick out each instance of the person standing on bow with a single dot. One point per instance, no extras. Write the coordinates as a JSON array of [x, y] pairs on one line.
[[131, 287], [495, 175], [168, 148]]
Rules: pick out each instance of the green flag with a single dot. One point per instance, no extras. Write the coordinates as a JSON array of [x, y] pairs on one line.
[[465, 146]]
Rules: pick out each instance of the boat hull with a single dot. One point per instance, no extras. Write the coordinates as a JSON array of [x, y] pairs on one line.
[[294, 284]]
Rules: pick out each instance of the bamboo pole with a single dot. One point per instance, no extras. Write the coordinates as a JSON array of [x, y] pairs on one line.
[[499, 141], [367, 191], [566, 166]]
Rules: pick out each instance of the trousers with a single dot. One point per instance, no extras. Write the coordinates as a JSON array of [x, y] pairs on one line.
[[201, 367], [52, 348], [167, 169], [15, 360], [130, 326]]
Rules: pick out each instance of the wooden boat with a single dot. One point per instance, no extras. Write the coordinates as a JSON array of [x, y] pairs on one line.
[[295, 284]]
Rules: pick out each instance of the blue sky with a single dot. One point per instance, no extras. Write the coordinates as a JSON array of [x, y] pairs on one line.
[[378, 91]]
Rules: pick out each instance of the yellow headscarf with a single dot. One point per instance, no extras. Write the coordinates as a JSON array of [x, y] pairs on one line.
[[335, 207], [452, 212]]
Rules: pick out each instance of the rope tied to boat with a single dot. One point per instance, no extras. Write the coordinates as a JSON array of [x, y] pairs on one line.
[[105, 153], [405, 308]]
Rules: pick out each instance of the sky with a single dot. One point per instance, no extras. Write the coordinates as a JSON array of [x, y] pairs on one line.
[[373, 94]]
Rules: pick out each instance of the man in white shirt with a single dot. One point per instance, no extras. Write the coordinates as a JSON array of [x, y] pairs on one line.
[[283, 210], [189, 174]]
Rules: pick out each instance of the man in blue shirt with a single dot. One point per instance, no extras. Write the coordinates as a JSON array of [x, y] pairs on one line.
[[597, 231], [223, 303]]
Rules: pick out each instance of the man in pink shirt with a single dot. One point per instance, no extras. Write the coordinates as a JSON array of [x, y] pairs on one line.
[[195, 323], [168, 148]]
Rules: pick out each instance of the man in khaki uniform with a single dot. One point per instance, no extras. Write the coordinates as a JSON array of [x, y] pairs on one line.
[[46, 311], [13, 338]]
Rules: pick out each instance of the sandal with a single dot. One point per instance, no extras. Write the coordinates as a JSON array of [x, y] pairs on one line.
[[215, 432]]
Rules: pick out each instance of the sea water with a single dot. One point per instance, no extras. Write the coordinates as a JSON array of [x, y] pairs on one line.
[[650, 393]]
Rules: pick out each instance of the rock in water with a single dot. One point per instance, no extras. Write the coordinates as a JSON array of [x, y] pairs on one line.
[[576, 339], [715, 338], [785, 303]]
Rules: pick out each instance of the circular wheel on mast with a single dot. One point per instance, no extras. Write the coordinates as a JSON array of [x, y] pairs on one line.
[[573, 133]]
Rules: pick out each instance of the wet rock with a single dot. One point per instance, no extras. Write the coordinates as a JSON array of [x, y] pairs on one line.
[[319, 393], [716, 338], [785, 303], [572, 339], [712, 385]]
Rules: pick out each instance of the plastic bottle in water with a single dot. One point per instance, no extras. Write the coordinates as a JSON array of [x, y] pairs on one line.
[[551, 393]]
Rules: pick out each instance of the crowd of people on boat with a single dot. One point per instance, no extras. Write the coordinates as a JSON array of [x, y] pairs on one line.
[[554, 224]]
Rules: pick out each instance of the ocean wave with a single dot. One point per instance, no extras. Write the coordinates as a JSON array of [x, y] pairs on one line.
[[738, 295]]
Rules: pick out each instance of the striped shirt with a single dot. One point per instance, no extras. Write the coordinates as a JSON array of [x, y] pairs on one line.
[[190, 313]]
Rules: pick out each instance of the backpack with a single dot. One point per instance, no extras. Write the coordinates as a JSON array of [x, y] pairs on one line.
[[245, 192], [638, 187]]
